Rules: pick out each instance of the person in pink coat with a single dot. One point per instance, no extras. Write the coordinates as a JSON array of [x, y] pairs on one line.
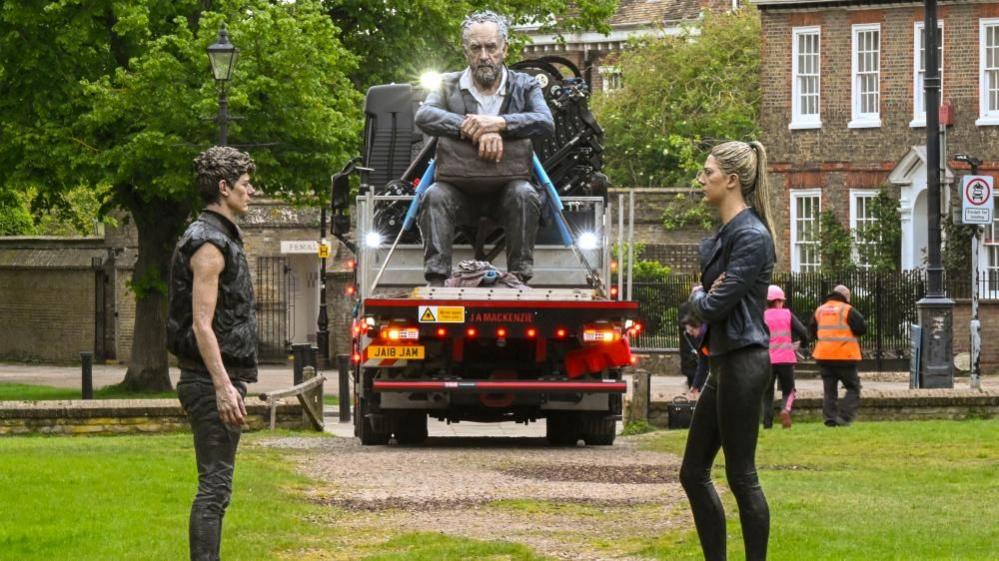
[[786, 335]]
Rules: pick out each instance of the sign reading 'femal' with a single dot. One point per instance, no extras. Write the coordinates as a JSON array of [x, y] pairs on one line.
[[977, 199]]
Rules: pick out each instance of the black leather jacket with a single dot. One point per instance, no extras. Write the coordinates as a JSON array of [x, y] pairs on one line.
[[235, 321], [744, 250]]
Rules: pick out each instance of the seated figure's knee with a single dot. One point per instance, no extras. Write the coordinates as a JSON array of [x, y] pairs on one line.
[[521, 192]]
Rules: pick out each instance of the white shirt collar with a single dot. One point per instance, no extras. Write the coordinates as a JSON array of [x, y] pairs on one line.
[[466, 82]]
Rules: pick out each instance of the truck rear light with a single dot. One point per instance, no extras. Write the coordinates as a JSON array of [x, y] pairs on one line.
[[401, 334], [531, 333], [501, 333], [356, 358], [441, 332], [471, 332], [613, 292], [601, 335], [635, 329], [560, 333]]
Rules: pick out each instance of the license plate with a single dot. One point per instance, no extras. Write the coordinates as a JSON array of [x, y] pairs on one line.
[[407, 352]]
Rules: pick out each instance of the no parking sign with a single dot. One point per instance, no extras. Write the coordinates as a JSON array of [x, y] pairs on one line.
[[976, 200]]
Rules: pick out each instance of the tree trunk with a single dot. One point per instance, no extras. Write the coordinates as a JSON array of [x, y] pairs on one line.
[[158, 223]]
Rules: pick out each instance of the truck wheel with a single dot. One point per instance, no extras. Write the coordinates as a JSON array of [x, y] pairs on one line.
[[598, 429], [562, 428], [410, 428], [363, 429]]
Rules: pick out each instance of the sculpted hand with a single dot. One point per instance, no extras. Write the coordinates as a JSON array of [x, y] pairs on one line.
[[474, 126], [491, 147], [232, 411], [717, 283]]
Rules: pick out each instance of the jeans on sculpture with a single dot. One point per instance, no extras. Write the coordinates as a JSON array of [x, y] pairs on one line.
[[215, 446]]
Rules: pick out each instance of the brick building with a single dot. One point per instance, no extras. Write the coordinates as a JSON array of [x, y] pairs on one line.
[[843, 113], [595, 54]]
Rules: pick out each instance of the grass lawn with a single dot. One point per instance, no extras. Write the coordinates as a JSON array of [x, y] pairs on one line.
[[126, 498], [905, 491], [17, 392], [872, 492]]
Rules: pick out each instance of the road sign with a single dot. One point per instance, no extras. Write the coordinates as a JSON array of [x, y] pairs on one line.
[[977, 199]]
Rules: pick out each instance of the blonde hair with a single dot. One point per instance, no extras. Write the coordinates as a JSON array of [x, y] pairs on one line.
[[748, 161]]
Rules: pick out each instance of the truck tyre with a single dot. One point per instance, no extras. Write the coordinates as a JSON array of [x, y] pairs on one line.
[[562, 428], [598, 429], [410, 428], [363, 429]]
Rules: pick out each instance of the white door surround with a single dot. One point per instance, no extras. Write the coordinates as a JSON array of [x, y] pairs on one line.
[[910, 174]]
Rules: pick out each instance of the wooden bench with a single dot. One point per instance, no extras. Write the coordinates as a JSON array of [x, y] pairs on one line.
[[309, 394]]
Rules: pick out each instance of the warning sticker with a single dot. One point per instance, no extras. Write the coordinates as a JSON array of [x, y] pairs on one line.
[[442, 314]]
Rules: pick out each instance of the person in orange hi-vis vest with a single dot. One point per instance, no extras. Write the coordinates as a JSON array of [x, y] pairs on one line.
[[786, 334], [835, 328]]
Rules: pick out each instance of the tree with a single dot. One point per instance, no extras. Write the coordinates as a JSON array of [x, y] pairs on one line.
[[120, 94], [400, 39], [835, 244], [879, 244], [681, 95]]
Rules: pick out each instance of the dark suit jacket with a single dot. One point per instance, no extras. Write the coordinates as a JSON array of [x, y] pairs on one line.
[[524, 108]]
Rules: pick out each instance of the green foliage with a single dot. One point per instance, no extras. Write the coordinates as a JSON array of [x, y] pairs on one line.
[[400, 39], [681, 94], [151, 280], [688, 211], [15, 214], [835, 244], [880, 244], [956, 254], [637, 427], [644, 270]]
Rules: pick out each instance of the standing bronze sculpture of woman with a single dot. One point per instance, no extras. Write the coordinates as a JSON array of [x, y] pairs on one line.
[[736, 266]]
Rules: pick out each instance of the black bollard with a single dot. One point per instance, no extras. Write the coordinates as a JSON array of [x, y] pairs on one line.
[[343, 397], [299, 353], [87, 374]]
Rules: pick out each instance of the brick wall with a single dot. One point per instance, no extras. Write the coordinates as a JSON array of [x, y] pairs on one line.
[[988, 315], [836, 158], [48, 314]]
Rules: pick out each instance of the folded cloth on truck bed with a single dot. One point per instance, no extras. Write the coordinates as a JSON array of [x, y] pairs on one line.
[[482, 273]]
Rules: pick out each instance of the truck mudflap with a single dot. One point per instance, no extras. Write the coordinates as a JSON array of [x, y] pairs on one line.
[[499, 386]]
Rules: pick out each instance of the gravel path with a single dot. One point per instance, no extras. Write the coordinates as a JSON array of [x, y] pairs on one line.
[[583, 503]]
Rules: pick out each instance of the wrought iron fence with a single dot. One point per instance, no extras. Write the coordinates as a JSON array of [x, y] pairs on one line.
[[887, 301]]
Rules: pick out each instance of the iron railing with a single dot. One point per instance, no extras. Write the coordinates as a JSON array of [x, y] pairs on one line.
[[887, 301]]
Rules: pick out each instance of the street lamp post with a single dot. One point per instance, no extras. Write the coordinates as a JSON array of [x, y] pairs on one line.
[[936, 311], [223, 55], [322, 322]]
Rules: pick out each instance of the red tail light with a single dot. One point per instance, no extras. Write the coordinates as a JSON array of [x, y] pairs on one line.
[[501, 333], [560, 333], [356, 358], [471, 332], [441, 332], [531, 333]]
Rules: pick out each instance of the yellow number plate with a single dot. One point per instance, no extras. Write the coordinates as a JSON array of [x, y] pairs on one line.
[[408, 352]]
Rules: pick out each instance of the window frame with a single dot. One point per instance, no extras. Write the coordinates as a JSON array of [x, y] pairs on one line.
[[793, 216], [985, 117], [860, 120], [919, 117], [799, 121], [855, 196]]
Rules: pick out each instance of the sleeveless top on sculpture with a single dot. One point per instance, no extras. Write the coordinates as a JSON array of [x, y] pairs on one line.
[[235, 320], [781, 347], [835, 339]]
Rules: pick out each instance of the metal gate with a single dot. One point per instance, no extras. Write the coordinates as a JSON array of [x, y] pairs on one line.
[[272, 293]]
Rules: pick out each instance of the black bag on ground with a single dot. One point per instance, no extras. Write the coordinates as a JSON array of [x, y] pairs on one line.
[[458, 163], [680, 411]]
